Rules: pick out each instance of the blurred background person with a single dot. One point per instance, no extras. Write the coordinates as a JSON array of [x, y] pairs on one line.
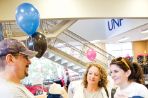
[[56, 89], [72, 87]]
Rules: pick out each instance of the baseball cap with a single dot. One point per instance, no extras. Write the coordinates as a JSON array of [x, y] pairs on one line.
[[8, 46]]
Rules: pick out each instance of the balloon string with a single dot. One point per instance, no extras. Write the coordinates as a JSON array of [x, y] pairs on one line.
[[32, 43]]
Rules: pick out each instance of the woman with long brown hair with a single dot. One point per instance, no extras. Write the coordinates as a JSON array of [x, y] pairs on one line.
[[128, 76], [94, 83]]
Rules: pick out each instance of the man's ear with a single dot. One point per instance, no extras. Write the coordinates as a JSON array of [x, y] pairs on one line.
[[9, 58]]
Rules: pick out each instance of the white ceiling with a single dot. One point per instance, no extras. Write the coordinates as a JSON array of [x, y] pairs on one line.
[[97, 29], [93, 29], [68, 9], [132, 35]]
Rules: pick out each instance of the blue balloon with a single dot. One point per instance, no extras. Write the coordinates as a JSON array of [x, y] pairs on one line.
[[28, 18]]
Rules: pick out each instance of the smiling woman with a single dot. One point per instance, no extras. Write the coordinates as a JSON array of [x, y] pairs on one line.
[[94, 83], [128, 76]]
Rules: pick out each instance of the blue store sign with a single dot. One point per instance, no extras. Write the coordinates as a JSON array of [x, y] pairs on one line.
[[114, 23]]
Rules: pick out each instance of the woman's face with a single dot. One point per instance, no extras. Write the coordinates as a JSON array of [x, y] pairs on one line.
[[93, 76], [118, 75]]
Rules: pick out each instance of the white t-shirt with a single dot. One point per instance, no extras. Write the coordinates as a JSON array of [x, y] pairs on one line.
[[134, 89], [80, 93], [11, 90], [57, 89], [72, 86]]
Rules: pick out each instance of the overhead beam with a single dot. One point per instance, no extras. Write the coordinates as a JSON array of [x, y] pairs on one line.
[[53, 33]]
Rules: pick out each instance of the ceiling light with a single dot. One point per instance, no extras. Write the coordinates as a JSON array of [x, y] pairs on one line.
[[123, 39], [145, 31], [145, 38], [95, 41]]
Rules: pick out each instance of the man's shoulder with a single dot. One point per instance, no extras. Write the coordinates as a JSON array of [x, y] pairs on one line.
[[6, 90], [12, 90]]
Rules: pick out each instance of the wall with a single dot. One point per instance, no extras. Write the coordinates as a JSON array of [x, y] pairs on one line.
[[140, 47], [78, 8], [120, 49]]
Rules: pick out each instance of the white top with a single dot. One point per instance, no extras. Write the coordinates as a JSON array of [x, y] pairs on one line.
[[72, 86], [134, 89], [77, 86], [57, 89], [11, 90], [97, 94], [80, 92]]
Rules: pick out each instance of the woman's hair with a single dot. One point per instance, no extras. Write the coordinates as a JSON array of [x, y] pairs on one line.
[[136, 70], [102, 74], [139, 76]]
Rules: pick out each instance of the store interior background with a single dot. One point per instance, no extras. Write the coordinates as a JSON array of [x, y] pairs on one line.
[[91, 23]]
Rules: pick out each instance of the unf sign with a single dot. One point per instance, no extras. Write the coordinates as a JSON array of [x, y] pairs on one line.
[[114, 23]]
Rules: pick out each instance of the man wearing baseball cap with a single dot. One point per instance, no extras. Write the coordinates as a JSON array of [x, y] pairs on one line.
[[14, 64]]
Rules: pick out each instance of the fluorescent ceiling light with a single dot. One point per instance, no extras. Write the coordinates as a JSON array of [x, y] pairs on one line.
[[145, 31], [123, 39], [95, 41], [145, 38]]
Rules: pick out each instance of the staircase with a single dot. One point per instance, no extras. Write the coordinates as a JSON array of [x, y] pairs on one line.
[[65, 60], [73, 43], [58, 51]]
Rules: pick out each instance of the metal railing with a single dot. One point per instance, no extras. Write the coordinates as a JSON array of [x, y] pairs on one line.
[[77, 46]]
